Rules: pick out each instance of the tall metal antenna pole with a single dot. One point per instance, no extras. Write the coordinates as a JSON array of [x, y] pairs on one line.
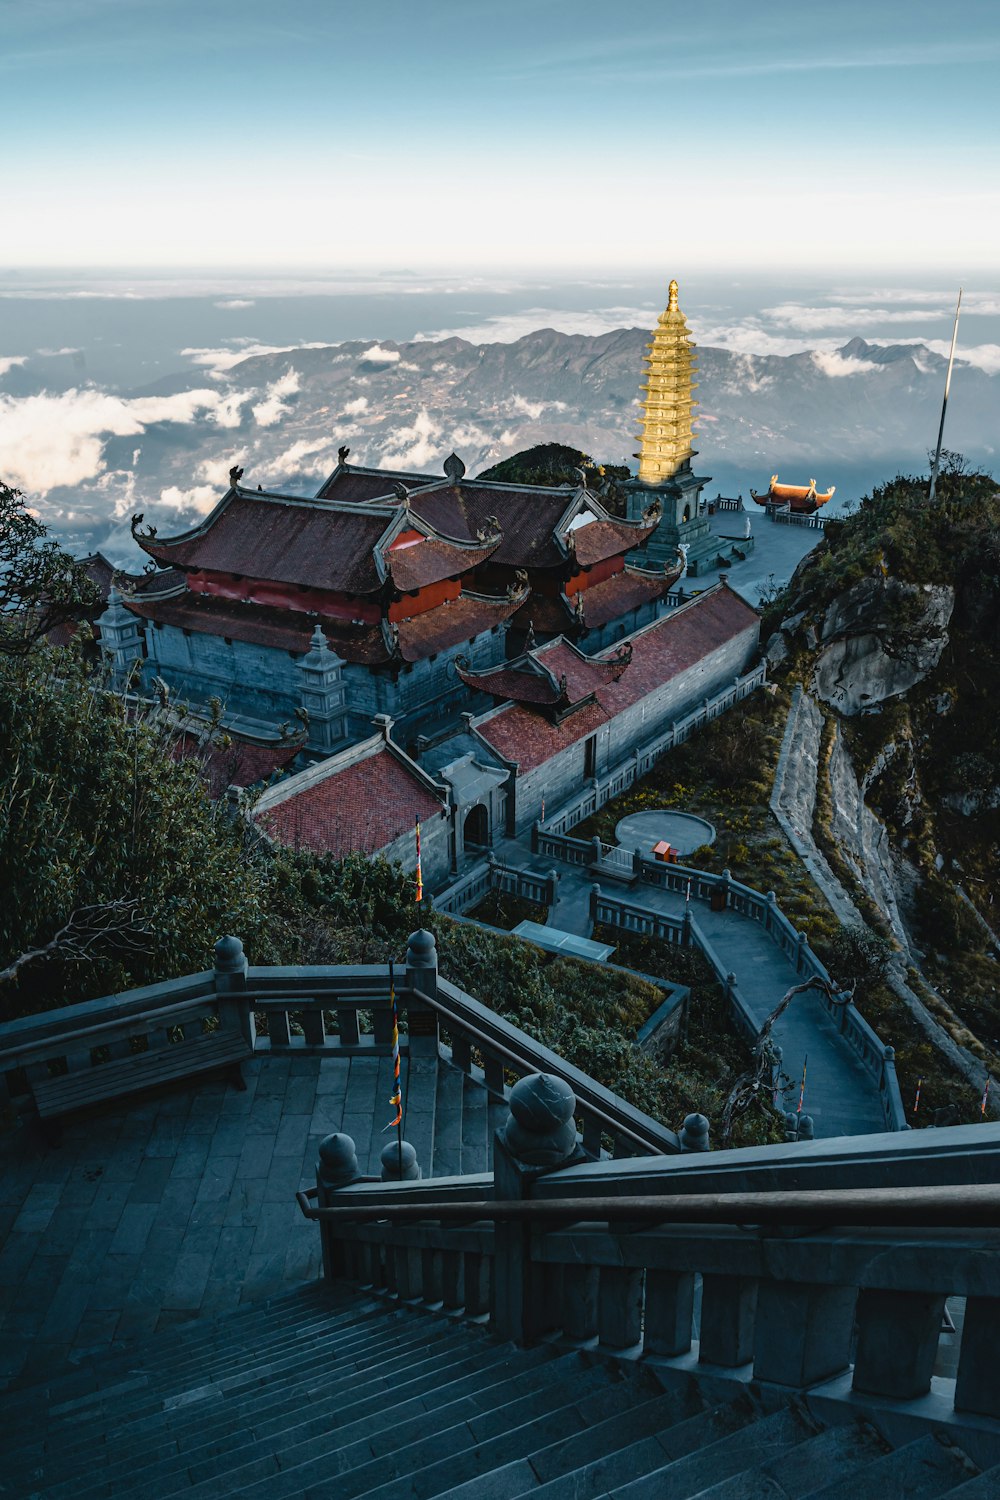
[[944, 404]]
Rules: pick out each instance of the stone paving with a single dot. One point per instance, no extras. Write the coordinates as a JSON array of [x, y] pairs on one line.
[[152, 1211], [840, 1094]]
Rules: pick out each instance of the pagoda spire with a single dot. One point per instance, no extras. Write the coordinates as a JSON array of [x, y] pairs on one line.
[[667, 421]]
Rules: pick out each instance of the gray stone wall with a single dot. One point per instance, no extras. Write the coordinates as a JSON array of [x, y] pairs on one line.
[[435, 850]]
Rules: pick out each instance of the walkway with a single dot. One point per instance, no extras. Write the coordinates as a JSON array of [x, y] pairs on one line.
[[840, 1095]]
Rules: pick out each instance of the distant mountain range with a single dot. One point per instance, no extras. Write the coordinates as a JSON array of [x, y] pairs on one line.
[[864, 409]]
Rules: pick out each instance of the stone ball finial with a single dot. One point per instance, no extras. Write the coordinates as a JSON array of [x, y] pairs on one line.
[[806, 1128], [791, 1126], [399, 1162], [229, 955], [338, 1160], [421, 949], [540, 1130], [694, 1133]]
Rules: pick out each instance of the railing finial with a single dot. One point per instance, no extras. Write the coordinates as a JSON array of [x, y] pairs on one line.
[[229, 956], [399, 1162], [338, 1161], [694, 1133], [540, 1130]]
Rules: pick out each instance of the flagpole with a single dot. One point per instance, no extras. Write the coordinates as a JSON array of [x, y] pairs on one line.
[[802, 1090], [944, 404]]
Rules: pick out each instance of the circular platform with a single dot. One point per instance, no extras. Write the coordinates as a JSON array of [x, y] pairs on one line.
[[683, 831]]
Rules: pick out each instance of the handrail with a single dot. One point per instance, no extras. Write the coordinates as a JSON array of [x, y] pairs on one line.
[[946, 1207], [88, 1036]]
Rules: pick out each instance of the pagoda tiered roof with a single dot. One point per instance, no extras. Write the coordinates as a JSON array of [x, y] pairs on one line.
[[804, 498], [556, 676]]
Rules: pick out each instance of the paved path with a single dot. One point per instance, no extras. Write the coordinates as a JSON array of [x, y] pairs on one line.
[[156, 1210], [840, 1095]]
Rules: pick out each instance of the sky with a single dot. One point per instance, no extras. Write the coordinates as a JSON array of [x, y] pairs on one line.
[[568, 136]]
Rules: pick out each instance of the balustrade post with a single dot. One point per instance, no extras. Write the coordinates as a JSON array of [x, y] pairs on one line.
[[728, 1308], [595, 851], [422, 975], [669, 1309], [579, 1301], [800, 951], [898, 1336], [977, 1388], [231, 969], [539, 1133], [619, 1309], [595, 896], [769, 911], [803, 1332], [336, 1167], [727, 880]]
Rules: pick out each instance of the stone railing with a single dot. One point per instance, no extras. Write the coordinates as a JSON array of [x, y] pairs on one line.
[[537, 886], [604, 788], [811, 1271], [722, 892], [786, 517], [335, 1011]]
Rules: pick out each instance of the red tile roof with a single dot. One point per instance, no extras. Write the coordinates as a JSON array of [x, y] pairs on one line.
[[362, 807], [304, 542], [601, 539], [356, 486], [239, 764], [427, 561], [622, 592], [459, 619], [528, 518], [660, 652]]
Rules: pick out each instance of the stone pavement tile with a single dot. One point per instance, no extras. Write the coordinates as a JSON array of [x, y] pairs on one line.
[[63, 1230], [106, 1209], [96, 1330], [228, 1138], [13, 1353], [220, 1297], [327, 1115], [255, 1158], [273, 1078], [273, 1227], [89, 1250], [133, 1229], [81, 1187], [136, 1322], [238, 1103], [172, 1317], [192, 1154], [38, 1207], [205, 1112], [285, 1179], [15, 1259], [53, 1166], [40, 1356], [25, 1318], [293, 1132], [265, 1276], [166, 1136], [201, 1240], [243, 1205], [265, 1116], [333, 1076], [177, 1201], [304, 1066], [304, 1256], [300, 1095], [110, 1288], [186, 1286], [232, 1253], [217, 1182], [42, 1277], [66, 1309], [152, 1176], [207, 1215]]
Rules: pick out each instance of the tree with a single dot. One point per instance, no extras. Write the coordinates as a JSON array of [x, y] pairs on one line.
[[557, 464], [41, 586]]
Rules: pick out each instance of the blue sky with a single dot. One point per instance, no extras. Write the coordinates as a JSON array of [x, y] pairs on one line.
[[550, 134]]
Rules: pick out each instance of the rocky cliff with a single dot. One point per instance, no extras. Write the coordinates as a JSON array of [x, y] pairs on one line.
[[891, 783]]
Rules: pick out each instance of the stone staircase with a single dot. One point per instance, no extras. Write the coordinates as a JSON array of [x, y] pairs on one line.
[[450, 1118], [328, 1392]]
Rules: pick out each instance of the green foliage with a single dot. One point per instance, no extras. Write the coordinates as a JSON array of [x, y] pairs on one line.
[[860, 957], [93, 809], [556, 464], [41, 586]]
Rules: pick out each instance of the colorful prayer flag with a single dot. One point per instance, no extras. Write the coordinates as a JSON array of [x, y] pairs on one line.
[[396, 1097], [916, 1099], [420, 877], [986, 1095], [802, 1089], [543, 810]]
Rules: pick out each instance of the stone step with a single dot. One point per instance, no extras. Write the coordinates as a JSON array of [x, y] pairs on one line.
[[844, 1451], [290, 1440], [922, 1469], [419, 1093], [601, 1474], [447, 1159], [697, 1470], [223, 1410], [438, 1434], [985, 1486], [469, 1462]]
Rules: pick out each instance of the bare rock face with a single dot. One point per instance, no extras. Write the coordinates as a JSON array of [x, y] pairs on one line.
[[880, 637]]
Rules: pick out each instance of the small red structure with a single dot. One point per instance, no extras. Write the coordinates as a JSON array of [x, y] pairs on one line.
[[665, 852], [801, 498]]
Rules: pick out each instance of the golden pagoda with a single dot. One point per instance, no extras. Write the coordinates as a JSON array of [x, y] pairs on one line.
[[667, 421]]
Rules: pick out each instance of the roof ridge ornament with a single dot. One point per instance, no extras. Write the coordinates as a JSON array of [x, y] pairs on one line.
[[492, 531], [401, 493], [454, 468], [672, 291], [235, 475], [342, 456], [135, 523]]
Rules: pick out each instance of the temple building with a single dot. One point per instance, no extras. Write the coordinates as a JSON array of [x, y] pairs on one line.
[[392, 593], [800, 499], [549, 722]]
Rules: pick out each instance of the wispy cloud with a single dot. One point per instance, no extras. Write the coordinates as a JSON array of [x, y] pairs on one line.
[[507, 328], [851, 318], [9, 361]]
